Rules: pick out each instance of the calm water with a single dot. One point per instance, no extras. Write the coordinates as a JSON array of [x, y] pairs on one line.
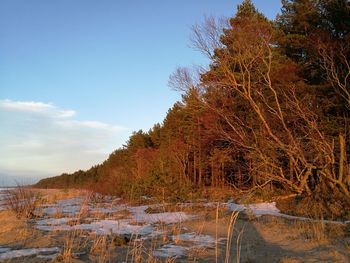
[[2, 197]]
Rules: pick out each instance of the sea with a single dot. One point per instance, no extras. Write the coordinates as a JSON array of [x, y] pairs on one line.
[[3, 195]]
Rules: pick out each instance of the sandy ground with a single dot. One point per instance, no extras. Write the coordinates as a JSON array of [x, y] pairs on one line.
[[254, 239], [271, 239]]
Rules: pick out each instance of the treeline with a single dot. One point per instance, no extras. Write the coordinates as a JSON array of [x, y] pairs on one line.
[[270, 111]]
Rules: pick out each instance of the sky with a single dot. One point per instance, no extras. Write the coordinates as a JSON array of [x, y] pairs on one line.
[[78, 76]]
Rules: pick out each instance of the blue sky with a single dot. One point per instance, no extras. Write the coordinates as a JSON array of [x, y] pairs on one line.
[[77, 76]]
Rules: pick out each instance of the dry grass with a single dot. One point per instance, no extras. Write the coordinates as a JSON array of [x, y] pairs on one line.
[[50, 196], [136, 250], [319, 232], [214, 221], [12, 228], [74, 243], [230, 230], [22, 201], [101, 247]]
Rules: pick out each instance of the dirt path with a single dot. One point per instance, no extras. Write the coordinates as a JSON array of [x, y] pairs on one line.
[[270, 239]]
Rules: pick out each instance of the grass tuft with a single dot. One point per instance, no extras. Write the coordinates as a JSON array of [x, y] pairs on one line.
[[23, 201]]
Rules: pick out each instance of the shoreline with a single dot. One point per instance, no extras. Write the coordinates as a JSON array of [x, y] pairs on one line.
[[170, 230]]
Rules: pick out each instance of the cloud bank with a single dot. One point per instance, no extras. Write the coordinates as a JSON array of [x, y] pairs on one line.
[[39, 139]]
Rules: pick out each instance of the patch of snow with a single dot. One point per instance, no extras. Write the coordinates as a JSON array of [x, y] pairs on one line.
[[169, 251], [264, 209], [138, 222], [104, 227], [122, 227], [53, 256], [312, 220], [68, 209], [72, 209], [4, 249], [138, 209], [197, 238], [166, 217], [70, 202], [267, 208], [51, 210], [27, 252], [70, 206], [235, 207], [62, 227], [140, 215]]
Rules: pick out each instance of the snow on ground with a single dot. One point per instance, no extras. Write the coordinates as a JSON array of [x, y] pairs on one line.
[[269, 208], [121, 227], [104, 227], [189, 241], [9, 254], [137, 222], [263, 209], [4, 249], [76, 206], [170, 250], [71, 206], [70, 202], [62, 227], [204, 240], [166, 217], [48, 257], [235, 207]]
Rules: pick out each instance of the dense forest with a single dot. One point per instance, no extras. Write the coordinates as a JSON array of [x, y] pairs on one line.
[[270, 111]]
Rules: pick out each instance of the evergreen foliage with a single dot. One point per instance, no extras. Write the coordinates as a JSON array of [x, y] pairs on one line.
[[272, 109]]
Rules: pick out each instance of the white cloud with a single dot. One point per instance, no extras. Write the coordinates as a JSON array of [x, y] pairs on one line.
[[73, 124], [44, 139], [35, 107]]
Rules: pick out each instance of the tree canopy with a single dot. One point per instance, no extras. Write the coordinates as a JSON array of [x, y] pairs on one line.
[[271, 110]]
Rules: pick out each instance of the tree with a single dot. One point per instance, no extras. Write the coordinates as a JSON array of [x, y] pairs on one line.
[[266, 112]]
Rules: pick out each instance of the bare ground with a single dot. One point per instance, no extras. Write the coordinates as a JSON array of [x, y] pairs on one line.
[[271, 239]]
